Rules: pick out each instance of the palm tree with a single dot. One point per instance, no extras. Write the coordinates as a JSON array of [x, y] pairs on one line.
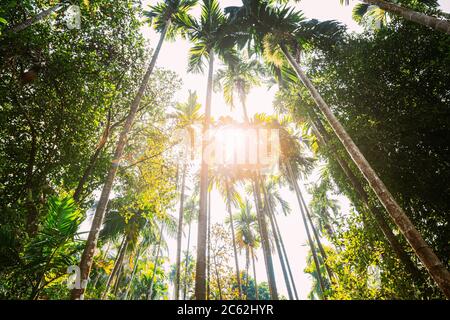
[[224, 182], [407, 13], [162, 15], [245, 224], [187, 114], [191, 212], [283, 28], [208, 36], [238, 77]]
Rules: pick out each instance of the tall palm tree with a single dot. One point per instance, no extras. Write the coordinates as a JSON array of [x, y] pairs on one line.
[[283, 28], [238, 77], [407, 13], [186, 114], [162, 15], [208, 36], [245, 224]]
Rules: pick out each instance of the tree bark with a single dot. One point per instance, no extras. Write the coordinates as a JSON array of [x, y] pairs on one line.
[[433, 264], [412, 15], [186, 265], [91, 243], [254, 274], [382, 224], [29, 22], [233, 237], [117, 264], [200, 274], [270, 213], [179, 235], [155, 264], [308, 234], [264, 239]]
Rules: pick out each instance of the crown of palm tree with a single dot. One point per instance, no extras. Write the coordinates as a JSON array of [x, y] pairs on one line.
[[169, 10]]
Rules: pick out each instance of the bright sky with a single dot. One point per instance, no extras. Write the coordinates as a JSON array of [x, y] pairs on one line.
[[174, 55]]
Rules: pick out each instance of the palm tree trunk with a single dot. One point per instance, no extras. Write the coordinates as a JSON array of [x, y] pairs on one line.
[[264, 239], [433, 264], [317, 238], [117, 264], [270, 212], [382, 224], [133, 273], [155, 264], [308, 234], [411, 15], [200, 274], [277, 229], [254, 274], [40, 16], [208, 265], [219, 287], [247, 266], [233, 237], [91, 243], [186, 265], [179, 235]]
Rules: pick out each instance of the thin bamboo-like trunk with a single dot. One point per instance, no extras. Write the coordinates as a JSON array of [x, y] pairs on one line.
[[264, 239], [433, 264], [268, 205], [233, 237], [186, 265], [200, 274], [254, 274], [179, 235], [91, 243], [117, 264], [208, 265], [308, 234]]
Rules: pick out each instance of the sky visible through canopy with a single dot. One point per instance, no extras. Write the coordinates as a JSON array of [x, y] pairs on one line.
[[174, 56]]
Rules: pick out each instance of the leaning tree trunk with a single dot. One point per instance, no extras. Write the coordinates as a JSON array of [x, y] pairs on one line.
[[411, 15], [200, 269], [40, 16], [179, 235], [308, 234], [91, 243], [118, 263], [317, 237], [382, 224], [277, 228], [268, 205], [233, 237], [434, 266], [264, 239]]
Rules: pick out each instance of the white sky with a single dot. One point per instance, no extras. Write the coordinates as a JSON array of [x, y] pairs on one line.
[[173, 56]]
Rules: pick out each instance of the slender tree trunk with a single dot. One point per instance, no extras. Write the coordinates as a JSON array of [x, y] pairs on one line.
[[40, 16], [208, 265], [186, 265], [317, 238], [117, 264], [200, 274], [270, 213], [433, 264], [133, 273], [233, 237], [411, 15], [180, 235], [91, 243], [155, 264], [254, 274], [219, 287], [247, 266], [308, 234], [264, 239], [382, 224]]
